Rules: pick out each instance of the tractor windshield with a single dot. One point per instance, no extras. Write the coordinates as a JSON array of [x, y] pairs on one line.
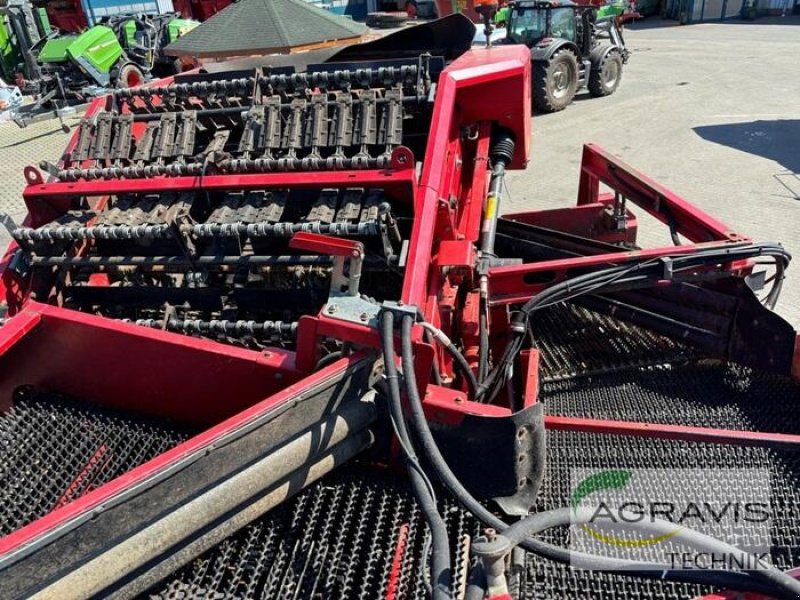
[[527, 25]]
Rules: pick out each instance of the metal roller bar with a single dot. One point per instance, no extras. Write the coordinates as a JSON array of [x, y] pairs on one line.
[[180, 262], [99, 232], [311, 472], [224, 327], [230, 111], [202, 230], [259, 165], [198, 89], [243, 86]]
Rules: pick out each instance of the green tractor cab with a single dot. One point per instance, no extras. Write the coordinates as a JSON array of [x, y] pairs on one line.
[[9, 53], [570, 48], [144, 37], [180, 27]]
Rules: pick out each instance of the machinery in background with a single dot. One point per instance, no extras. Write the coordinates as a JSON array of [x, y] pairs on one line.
[[144, 37], [235, 282], [570, 48], [71, 16], [62, 70]]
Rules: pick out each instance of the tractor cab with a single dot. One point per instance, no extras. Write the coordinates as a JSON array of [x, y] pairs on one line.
[[532, 23], [570, 50]]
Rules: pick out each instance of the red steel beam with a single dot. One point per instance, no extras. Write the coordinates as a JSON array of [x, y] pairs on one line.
[[508, 285], [404, 178], [599, 166]]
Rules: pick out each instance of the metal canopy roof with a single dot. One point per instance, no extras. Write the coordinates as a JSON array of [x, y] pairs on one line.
[[250, 27]]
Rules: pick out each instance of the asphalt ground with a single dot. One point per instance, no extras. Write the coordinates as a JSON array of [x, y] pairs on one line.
[[712, 111]]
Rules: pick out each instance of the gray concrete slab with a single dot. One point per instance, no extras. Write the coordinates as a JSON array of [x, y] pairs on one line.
[[21, 147], [712, 111]]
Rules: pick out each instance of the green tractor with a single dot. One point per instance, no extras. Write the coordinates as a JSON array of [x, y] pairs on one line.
[[61, 70], [143, 38], [571, 49]]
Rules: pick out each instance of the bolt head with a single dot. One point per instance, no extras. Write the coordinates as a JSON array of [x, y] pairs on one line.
[[331, 309], [364, 317]]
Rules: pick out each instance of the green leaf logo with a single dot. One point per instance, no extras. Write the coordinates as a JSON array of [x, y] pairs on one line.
[[610, 479]]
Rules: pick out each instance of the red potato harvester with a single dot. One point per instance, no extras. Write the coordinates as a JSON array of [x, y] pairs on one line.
[[267, 336]]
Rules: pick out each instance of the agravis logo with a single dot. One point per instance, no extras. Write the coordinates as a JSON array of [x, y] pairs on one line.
[[605, 480], [694, 514]]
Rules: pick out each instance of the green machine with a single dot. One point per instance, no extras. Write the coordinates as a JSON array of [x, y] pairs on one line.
[[144, 37], [60, 69]]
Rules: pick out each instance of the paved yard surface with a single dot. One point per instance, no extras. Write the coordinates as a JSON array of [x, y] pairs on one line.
[[712, 111]]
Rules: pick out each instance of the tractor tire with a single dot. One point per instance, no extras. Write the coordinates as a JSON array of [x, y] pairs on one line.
[[605, 77], [555, 81], [129, 76]]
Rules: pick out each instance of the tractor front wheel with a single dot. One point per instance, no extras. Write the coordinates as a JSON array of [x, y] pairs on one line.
[[605, 77], [555, 81], [129, 76]]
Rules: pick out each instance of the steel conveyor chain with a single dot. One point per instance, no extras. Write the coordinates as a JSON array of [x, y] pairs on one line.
[[223, 327], [358, 534], [299, 121], [200, 230], [182, 262], [340, 78]]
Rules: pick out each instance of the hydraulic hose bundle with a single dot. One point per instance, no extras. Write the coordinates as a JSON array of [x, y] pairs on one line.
[[640, 274], [765, 580]]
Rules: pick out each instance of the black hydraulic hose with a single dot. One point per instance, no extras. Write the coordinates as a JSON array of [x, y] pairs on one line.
[[458, 359], [476, 583], [440, 553], [483, 340], [717, 578]]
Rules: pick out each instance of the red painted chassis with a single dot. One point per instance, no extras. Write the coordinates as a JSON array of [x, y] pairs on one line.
[[87, 356]]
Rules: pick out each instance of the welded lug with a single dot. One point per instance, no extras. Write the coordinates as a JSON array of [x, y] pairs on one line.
[[315, 135], [391, 129], [185, 136], [366, 130], [165, 139]]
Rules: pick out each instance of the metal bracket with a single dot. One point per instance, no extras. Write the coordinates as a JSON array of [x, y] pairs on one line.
[[341, 250], [353, 309], [400, 310], [7, 222]]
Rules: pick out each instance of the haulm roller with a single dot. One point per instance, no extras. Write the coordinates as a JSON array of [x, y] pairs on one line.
[[270, 333]]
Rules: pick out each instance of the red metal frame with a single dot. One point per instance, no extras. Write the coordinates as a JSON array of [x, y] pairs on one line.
[[479, 89], [600, 166], [206, 360], [514, 284]]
